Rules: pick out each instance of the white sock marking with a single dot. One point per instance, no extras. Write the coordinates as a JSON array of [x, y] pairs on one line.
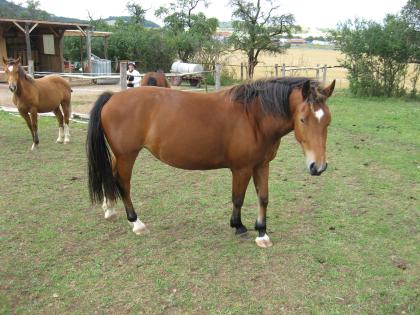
[[263, 238], [66, 133], [139, 227], [60, 134]]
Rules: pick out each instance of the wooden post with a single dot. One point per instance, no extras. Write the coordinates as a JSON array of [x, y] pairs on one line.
[[242, 71], [31, 68], [61, 48], [106, 47], [324, 78], [217, 76], [317, 72], [81, 53], [123, 75], [28, 44], [283, 70], [276, 70], [88, 51]]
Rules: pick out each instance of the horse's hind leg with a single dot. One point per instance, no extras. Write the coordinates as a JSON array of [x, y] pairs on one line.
[[59, 116], [65, 104], [109, 210], [124, 166], [240, 181]]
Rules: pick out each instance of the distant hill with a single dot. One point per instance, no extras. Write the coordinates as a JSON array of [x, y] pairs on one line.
[[10, 10], [225, 25], [112, 19]]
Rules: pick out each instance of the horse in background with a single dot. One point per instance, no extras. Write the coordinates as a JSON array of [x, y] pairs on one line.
[[33, 96], [155, 79], [239, 129]]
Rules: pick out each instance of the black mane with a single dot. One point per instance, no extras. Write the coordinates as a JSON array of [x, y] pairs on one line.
[[274, 94]]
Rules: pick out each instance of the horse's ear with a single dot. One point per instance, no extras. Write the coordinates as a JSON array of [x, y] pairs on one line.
[[306, 89], [4, 61], [17, 61], [329, 89]]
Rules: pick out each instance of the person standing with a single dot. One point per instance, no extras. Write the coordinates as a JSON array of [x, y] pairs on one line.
[[133, 76]]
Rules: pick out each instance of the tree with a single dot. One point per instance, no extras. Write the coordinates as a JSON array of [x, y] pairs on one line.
[[185, 31], [376, 55], [146, 46], [256, 28], [411, 14], [34, 12], [137, 13]]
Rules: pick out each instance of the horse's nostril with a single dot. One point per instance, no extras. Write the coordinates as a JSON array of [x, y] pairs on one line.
[[312, 167], [313, 170]]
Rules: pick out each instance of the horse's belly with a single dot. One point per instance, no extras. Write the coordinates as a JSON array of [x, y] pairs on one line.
[[189, 157]]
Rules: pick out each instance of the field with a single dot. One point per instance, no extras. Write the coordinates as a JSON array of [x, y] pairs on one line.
[[296, 57], [300, 56], [344, 243]]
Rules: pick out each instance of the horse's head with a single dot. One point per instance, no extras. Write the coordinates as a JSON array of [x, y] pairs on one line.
[[311, 119], [12, 71]]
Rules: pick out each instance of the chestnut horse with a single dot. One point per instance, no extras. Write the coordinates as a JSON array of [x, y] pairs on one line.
[[239, 129], [33, 96], [155, 79]]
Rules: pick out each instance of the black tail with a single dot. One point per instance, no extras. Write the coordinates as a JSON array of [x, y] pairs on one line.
[[101, 180], [152, 81]]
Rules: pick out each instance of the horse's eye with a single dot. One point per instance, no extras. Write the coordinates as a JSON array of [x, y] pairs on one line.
[[302, 120]]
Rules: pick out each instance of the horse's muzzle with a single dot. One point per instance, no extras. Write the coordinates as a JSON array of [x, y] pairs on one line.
[[12, 88], [315, 171]]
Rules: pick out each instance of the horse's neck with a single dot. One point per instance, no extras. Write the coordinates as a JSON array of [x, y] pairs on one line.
[[275, 127], [24, 88], [272, 126]]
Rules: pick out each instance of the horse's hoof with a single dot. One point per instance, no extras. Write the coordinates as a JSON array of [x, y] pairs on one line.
[[139, 228], [110, 214], [59, 140], [66, 141], [34, 147], [243, 236], [263, 241]]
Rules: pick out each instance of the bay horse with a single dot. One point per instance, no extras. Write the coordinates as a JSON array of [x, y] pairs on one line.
[[33, 96], [239, 129], [155, 79]]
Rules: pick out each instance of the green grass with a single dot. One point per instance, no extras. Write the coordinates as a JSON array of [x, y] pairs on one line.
[[344, 243]]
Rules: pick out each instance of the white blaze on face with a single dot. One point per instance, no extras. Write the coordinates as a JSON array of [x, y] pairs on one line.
[[10, 68], [319, 114]]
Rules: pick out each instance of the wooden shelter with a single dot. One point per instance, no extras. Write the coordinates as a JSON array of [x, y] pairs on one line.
[[40, 44]]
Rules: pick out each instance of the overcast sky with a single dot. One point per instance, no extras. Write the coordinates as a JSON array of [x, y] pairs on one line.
[[308, 13]]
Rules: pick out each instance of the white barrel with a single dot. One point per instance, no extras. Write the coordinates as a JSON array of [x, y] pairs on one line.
[[182, 67]]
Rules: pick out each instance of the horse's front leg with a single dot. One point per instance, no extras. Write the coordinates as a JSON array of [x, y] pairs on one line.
[[34, 124], [25, 116], [240, 181], [260, 177]]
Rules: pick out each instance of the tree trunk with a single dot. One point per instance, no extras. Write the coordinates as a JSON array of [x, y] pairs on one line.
[[252, 62]]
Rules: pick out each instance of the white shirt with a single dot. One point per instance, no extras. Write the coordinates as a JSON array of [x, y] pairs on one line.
[[136, 75]]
